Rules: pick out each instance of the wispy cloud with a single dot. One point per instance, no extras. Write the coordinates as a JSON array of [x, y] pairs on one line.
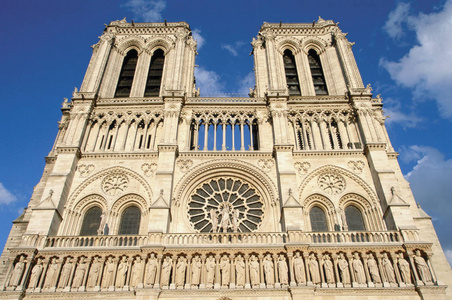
[[198, 37], [233, 48], [427, 67], [245, 84], [146, 10], [448, 254], [396, 18], [209, 82], [397, 115], [6, 197]]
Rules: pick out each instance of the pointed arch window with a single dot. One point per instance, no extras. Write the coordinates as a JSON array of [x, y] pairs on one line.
[[127, 72], [318, 219], [130, 221], [317, 73], [291, 73], [354, 218], [154, 79], [91, 221]]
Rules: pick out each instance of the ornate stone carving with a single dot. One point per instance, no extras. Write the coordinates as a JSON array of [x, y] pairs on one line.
[[35, 274], [184, 164], [180, 272], [65, 273], [328, 267], [196, 267], [225, 268], [422, 267], [85, 170], [283, 271], [343, 269], [52, 274], [17, 272], [121, 273], [388, 269], [373, 269], [302, 167], [240, 271], [266, 164], [166, 271], [254, 271], [79, 273], [149, 168], [358, 269], [356, 166], [115, 184], [331, 183], [210, 271], [298, 267], [269, 272], [151, 270], [404, 269], [314, 269]]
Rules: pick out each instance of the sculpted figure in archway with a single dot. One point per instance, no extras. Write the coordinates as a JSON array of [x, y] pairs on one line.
[[166, 271], [196, 270], [35, 274], [358, 269], [225, 218], [283, 270], [214, 219], [51, 274], [79, 273], [298, 267], [94, 272], [314, 269], [240, 271], [180, 272], [235, 219], [151, 270], [422, 267], [121, 274], [137, 269], [225, 268], [269, 271], [17, 272], [343, 269], [65, 273], [254, 271], [210, 271], [388, 269], [405, 269], [373, 268], [109, 273], [328, 267]]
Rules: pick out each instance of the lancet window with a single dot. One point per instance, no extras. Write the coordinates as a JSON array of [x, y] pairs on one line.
[[226, 131], [154, 79], [318, 219], [127, 73], [354, 218], [317, 73], [324, 129], [130, 221], [291, 74], [91, 221]]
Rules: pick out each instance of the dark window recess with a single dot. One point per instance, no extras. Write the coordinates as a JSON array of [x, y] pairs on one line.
[[354, 218], [126, 75], [130, 221], [291, 74], [91, 221], [155, 74], [317, 73], [318, 219]]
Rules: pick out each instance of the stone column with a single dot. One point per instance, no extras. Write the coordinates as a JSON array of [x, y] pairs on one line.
[[306, 268], [418, 282], [322, 273], [384, 280], [291, 271], [336, 271], [275, 268], [101, 273], [352, 273], [366, 271], [393, 256], [202, 284], [232, 272], [217, 283], [159, 268], [247, 271], [261, 270], [112, 286], [43, 275], [173, 275], [429, 263], [188, 273], [26, 273], [58, 273], [143, 269]]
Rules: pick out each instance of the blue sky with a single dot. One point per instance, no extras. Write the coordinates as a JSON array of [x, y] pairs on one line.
[[403, 49]]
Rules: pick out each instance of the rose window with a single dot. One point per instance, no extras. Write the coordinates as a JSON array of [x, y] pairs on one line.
[[115, 184], [225, 205], [332, 183]]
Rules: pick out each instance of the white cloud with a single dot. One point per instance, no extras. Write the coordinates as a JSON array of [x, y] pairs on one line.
[[245, 84], [396, 115], [209, 82], [233, 49], [6, 197], [146, 10], [393, 25], [427, 67], [197, 36], [448, 254]]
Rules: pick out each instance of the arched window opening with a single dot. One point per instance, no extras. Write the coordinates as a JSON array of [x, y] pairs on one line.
[[155, 74], [291, 74], [126, 75], [91, 221], [130, 221], [318, 219], [317, 73], [354, 218]]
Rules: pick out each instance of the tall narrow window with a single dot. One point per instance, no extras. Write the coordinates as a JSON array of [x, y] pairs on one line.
[[155, 74], [127, 73], [318, 219], [317, 73], [130, 221], [291, 74], [354, 218], [91, 221]]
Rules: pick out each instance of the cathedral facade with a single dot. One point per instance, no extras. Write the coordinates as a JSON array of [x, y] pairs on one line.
[[151, 191]]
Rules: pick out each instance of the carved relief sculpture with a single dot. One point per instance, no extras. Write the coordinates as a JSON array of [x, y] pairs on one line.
[[180, 272], [151, 269], [405, 269], [109, 273], [121, 273], [328, 267], [210, 271], [79, 273], [283, 270], [240, 271], [225, 268], [298, 266], [65, 273], [196, 270], [269, 272], [94, 272], [137, 269], [51, 274], [314, 269], [17, 272], [166, 271], [254, 271], [422, 267], [35, 274], [358, 269], [388, 269], [373, 269], [343, 268]]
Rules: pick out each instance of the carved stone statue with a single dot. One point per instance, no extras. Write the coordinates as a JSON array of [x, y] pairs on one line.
[[343, 269], [269, 271], [388, 269], [151, 269], [298, 267], [121, 274], [240, 271], [94, 272], [65, 273], [214, 219], [103, 222], [373, 269], [180, 271], [137, 269], [79, 273], [225, 268], [196, 265], [358, 269], [422, 267], [210, 271], [283, 270], [225, 218], [51, 274], [314, 269], [35, 274], [235, 219], [17, 272], [328, 267], [404, 269], [254, 271], [166, 271], [109, 273]]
